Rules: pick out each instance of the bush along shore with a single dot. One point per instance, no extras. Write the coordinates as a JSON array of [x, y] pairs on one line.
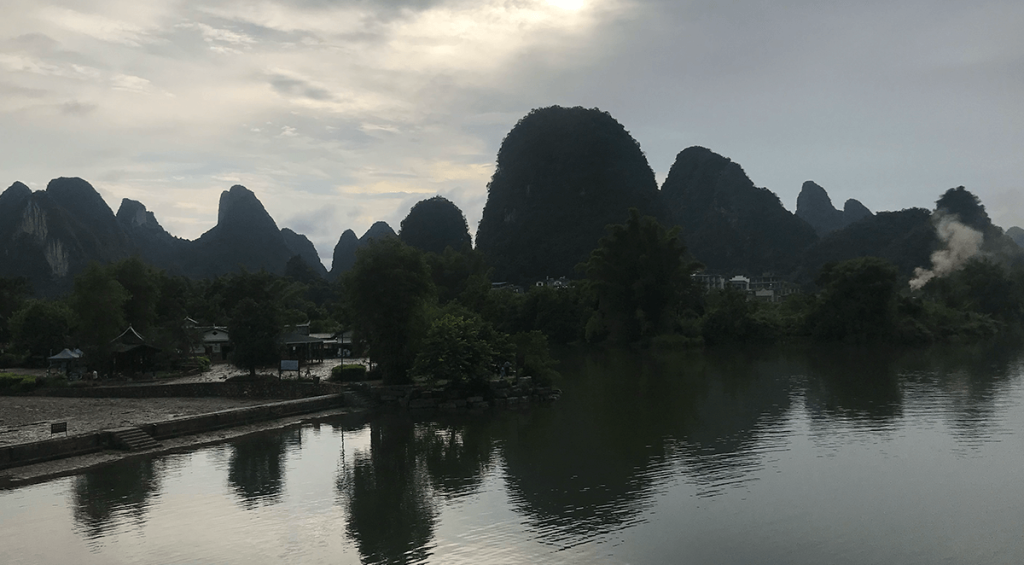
[[497, 393]]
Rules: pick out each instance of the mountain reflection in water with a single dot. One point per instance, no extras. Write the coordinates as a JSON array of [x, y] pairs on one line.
[[802, 455]]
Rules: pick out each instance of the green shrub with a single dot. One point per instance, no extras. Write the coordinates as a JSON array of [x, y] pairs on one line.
[[8, 360], [14, 384], [348, 373]]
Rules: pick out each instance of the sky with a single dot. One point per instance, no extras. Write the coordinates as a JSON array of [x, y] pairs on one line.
[[341, 113]]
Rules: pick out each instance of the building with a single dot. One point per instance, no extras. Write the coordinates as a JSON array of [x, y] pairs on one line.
[[214, 343], [708, 281], [130, 354], [298, 345]]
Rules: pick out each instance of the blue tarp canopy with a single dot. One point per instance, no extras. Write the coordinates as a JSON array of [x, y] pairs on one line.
[[67, 355]]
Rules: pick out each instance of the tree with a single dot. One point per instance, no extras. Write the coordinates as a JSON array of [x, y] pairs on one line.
[[461, 350], [980, 286], [387, 290], [460, 275], [639, 274], [254, 329], [13, 293], [140, 280], [98, 302], [533, 358], [730, 318], [41, 327], [857, 301]]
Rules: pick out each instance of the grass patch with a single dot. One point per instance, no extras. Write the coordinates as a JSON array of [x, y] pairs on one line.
[[15, 384]]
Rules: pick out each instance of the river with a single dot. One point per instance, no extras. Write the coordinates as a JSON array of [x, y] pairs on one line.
[[798, 456]]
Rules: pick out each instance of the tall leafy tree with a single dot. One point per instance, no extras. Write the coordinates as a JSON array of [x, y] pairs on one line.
[[13, 293], [461, 350], [387, 291], [857, 301], [41, 327], [98, 302], [141, 282], [640, 274], [254, 329], [458, 275]]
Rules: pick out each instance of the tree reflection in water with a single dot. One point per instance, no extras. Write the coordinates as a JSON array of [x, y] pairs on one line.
[[256, 466], [859, 385], [108, 495], [391, 513], [593, 464]]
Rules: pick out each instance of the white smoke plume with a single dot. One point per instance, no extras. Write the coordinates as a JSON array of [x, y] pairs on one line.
[[961, 243]]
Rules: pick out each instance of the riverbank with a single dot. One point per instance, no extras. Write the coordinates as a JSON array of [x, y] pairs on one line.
[[45, 470]]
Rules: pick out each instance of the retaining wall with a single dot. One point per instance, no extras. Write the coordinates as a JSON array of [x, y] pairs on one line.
[[258, 389], [81, 444]]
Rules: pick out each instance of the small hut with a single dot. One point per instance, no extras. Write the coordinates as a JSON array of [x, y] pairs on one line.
[[131, 354]]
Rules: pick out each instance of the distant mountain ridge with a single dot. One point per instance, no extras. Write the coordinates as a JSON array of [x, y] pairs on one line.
[[814, 206], [49, 236]]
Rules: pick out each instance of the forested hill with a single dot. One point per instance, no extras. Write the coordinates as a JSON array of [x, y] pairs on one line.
[[435, 224], [563, 174], [905, 238], [908, 238], [728, 223]]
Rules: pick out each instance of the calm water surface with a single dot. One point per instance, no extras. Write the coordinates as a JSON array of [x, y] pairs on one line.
[[821, 456]]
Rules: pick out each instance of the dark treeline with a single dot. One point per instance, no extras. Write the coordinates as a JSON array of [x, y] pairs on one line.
[[438, 315]]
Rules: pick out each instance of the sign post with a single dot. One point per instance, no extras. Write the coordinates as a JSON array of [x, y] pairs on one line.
[[288, 365]]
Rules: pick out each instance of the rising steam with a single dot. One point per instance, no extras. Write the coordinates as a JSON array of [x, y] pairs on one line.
[[961, 243]]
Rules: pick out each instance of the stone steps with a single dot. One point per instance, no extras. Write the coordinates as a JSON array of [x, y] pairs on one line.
[[133, 439]]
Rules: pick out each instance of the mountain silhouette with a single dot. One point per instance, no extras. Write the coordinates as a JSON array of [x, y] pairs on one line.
[[300, 245], [49, 236], [563, 174], [345, 250], [729, 224], [434, 224], [245, 237], [814, 206]]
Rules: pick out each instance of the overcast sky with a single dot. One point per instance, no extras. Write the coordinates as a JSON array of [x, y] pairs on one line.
[[340, 113]]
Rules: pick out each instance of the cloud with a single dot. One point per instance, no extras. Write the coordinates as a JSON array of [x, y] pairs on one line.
[[130, 83], [392, 102], [297, 86], [76, 108], [99, 27], [312, 223]]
